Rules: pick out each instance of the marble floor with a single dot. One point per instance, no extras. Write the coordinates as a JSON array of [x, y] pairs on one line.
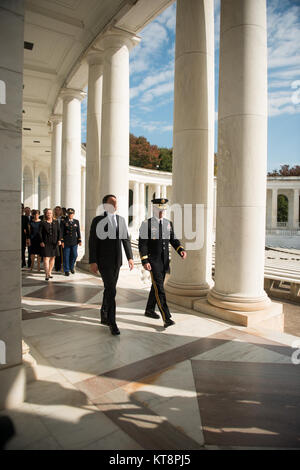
[[200, 384]]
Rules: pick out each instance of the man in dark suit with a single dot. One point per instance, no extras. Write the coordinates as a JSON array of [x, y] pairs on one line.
[[107, 235], [155, 235], [24, 234]]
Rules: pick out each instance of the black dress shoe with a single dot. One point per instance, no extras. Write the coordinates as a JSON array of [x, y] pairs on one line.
[[46, 278], [72, 271], [114, 329], [169, 323], [67, 273], [151, 314]]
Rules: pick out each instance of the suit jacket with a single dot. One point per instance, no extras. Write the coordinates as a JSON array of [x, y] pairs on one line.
[[153, 246], [48, 236], [106, 240]]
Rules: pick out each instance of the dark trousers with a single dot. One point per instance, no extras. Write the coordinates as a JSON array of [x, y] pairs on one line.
[[110, 275], [23, 251], [59, 259], [157, 292]]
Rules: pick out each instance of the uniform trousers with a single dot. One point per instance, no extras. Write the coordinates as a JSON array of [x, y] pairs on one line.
[[70, 255], [157, 292], [110, 275]]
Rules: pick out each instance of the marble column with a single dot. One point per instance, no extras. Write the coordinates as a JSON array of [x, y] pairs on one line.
[[150, 193], [193, 144], [164, 191], [157, 191], [242, 158], [115, 116], [12, 376], [135, 208], [93, 143], [56, 120], [274, 209], [296, 210], [71, 149], [142, 203]]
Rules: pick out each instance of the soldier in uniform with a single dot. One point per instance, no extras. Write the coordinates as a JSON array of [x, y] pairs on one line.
[[71, 238], [155, 235]]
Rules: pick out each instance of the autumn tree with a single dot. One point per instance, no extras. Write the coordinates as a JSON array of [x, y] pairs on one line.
[[285, 170], [142, 153]]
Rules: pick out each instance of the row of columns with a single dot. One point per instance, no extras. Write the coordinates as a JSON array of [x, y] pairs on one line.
[[242, 151]]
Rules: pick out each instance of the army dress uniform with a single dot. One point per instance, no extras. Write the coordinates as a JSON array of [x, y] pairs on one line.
[[71, 237], [154, 239]]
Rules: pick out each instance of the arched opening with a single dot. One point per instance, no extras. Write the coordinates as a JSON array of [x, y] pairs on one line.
[[282, 210], [27, 186], [43, 200]]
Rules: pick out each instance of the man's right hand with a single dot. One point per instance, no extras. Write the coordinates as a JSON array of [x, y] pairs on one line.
[[147, 266], [94, 268]]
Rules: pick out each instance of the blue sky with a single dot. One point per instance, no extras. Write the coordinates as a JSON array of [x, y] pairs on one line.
[[152, 81]]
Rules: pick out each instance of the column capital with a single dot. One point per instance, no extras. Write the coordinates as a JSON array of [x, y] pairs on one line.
[[116, 38], [70, 93], [95, 57], [55, 118]]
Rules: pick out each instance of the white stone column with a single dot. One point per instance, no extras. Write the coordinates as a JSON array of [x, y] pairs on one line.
[[296, 210], [157, 191], [93, 143], [164, 191], [56, 120], [115, 116], [135, 209], [83, 200], [242, 158], [71, 149], [150, 192], [274, 207], [193, 145], [142, 203], [12, 376]]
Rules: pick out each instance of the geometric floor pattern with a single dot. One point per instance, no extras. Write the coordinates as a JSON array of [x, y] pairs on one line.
[[200, 384]]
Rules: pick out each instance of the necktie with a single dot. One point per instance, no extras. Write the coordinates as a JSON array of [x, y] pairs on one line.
[[160, 229]]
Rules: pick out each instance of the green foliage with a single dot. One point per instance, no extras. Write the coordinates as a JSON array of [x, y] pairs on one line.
[[145, 155], [282, 208]]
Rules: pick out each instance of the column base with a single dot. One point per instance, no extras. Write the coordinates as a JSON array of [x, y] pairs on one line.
[[83, 265], [185, 295], [13, 383], [271, 317], [230, 302]]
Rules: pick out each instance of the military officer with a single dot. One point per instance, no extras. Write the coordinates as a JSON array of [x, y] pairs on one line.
[[155, 235], [71, 238]]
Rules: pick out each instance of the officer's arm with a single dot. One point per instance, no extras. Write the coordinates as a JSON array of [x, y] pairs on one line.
[[93, 242], [143, 242], [78, 233], [62, 231], [174, 241]]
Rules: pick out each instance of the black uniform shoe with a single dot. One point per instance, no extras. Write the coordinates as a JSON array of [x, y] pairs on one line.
[[151, 314], [67, 273], [114, 329], [72, 271], [169, 323], [104, 321]]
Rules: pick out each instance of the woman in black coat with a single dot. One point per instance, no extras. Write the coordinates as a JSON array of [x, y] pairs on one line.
[[49, 241]]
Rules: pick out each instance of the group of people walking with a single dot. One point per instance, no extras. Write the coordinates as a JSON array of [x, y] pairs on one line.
[[108, 233], [53, 238]]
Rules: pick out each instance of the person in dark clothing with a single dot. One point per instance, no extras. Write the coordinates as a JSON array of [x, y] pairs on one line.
[[35, 247], [49, 241], [156, 233], [107, 235], [58, 215], [24, 234], [70, 238]]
